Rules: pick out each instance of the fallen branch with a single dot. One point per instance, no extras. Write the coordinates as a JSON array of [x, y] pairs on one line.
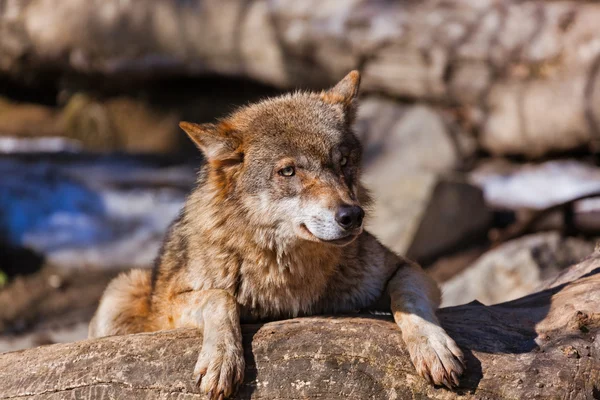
[[540, 346]]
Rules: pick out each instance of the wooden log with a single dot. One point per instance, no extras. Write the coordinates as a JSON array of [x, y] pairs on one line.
[[540, 346]]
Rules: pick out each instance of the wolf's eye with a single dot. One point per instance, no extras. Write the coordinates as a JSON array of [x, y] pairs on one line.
[[344, 161], [287, 171]]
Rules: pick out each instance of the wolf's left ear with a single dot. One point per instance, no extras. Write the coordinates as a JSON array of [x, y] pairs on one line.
[[345, 93], [218, 142]]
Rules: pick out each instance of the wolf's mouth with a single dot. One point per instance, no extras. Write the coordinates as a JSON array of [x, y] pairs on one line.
[[344, 240]]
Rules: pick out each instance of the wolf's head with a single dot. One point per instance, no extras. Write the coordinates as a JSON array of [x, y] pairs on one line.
[[291, 163]]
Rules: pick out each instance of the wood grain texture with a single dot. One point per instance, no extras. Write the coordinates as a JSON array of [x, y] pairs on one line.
[[539, 346]]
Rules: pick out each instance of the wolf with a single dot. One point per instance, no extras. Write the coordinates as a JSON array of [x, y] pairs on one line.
[[274, 229]]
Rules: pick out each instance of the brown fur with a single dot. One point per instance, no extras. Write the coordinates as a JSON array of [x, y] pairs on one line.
[[129, 303], [254, 244]]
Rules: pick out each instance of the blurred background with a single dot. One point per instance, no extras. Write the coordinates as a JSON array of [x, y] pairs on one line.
[[480, 121]]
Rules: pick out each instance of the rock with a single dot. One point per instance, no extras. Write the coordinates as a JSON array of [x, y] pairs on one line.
[[422, 214], [514, 269], [118, 123], [403, 138], [407, 152], [449, 265], [400, 201], [67, 333], [28, 120], [506, 69], [531, 119], [456, 216], [561, 194], [53, 305]]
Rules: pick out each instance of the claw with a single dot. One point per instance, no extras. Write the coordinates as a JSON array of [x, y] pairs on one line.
[[455, 378], [220, 396], [239, 378], [199, 379], [210, 394], [427, 377], [425, 373], [446, 383]]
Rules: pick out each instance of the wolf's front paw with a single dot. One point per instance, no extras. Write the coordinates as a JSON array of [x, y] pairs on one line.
[[220, 368], [436, 356]]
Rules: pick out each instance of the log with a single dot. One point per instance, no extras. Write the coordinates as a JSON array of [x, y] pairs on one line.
[[540, 346], [506, 67]]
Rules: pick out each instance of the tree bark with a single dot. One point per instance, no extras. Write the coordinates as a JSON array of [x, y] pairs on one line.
[[522, 74], [539, 346]]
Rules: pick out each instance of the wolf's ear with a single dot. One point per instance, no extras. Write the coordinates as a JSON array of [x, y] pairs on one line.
[[218, 142], [347, 88], [345, 93]]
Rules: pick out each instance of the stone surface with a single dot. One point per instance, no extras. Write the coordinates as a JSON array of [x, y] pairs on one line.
[[421, 214], [407, 152], [504, 68], [514, 269], [399, 138], [114, 124], [53, 305], [400, 201], [456, 216]]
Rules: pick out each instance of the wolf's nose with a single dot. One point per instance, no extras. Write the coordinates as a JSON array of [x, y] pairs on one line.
[[349, 217]]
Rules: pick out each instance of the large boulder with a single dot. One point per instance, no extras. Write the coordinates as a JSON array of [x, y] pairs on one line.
[[399, 138], [410, 153], [506, 69], [514, 269], [423, 214]]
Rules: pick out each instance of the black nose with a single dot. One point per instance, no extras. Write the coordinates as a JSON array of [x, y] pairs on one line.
[[349, 217]]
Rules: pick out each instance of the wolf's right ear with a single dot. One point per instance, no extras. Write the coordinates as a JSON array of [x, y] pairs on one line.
[[218, 142]]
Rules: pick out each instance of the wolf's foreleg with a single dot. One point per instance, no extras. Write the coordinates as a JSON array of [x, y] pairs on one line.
[[220, 366], [414, 299]]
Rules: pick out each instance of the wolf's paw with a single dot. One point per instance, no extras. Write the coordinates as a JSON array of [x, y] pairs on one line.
[[220, 369], [436, 356]]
